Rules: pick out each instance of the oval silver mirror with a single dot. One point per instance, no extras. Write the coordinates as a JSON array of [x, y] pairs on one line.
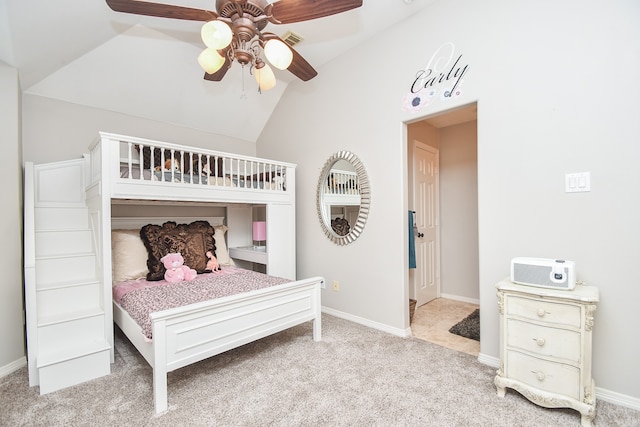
[[343, 197]]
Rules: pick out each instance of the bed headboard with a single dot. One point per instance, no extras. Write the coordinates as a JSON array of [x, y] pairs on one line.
[[132, 223]]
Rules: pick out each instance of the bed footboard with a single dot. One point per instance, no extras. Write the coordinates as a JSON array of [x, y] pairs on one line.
[[186, 335]]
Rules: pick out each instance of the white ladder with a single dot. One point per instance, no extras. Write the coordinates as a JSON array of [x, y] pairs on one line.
[[67, 331]]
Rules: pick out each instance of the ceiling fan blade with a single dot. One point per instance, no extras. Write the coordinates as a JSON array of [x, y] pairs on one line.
[[299, 66], [218, 75], [161, 10], [290, 11]]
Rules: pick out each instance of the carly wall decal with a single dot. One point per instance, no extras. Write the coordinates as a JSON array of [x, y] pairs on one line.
[[440, 79]]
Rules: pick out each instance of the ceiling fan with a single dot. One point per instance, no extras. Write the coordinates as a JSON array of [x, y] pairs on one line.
[[234, 31]]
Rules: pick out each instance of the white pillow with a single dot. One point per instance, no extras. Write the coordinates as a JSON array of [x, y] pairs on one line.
[[128, 256], [222, 254]]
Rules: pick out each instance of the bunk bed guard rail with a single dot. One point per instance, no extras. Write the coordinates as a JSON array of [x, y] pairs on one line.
[[135, 160]]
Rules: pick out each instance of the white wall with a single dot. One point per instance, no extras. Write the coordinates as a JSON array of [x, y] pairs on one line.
[[459, 211], [557, 91], [12, 352], [56, 130]]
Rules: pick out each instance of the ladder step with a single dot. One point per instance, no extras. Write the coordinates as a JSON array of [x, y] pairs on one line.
[[79, 314], [47, 218], [66, 284], [74, 365], [68, 302], [63, 242], [72, 352], [76, 254], [70, 268]]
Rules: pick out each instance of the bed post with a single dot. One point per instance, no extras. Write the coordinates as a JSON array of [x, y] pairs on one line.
[[159, 366], [317, 321]]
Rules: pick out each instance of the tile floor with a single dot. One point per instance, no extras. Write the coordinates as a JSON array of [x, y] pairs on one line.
[[431, 322]]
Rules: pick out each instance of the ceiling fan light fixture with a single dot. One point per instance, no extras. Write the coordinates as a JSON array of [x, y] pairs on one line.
[[210, 60], [233, 31], [278, 54], [264, 76], [216, 34]]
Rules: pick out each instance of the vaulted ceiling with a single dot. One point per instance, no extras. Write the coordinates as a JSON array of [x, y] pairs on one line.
[[82, 52]]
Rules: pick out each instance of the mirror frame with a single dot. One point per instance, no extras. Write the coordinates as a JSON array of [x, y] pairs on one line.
[[365, 198]]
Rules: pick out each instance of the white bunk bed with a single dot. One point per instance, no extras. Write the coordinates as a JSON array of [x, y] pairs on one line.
[[122, 169], [185, 335], [341, 199], [342, 188]]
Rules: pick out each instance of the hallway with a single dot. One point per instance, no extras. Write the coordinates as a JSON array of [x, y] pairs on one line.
[[431, 322]]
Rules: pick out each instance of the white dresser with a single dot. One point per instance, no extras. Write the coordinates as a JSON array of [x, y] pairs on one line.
[[545, 345]]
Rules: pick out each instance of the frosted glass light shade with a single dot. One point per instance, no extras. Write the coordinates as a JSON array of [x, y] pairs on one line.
[[265, 77], [278, 54], [216, 34], [210, 60], [259, 231]]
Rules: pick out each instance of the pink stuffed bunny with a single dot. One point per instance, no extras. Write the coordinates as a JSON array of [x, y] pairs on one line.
[[176, 270], [212, 264]]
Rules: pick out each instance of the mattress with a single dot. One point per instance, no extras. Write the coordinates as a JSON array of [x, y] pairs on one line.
[[140, 297]]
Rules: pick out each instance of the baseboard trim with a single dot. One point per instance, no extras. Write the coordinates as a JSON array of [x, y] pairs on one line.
[[618, 398], [459, 298], [404, 333], [485, 359], [13, 366]]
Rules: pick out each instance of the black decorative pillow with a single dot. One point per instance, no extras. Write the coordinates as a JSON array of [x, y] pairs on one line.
[[186, 167], [340, 226], [204, 164], [193, 241], [157, 157]]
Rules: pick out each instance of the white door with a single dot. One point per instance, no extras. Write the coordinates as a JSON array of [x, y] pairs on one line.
[[426, 205]]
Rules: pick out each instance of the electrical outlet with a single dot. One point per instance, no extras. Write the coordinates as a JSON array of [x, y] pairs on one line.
[[336, 285]]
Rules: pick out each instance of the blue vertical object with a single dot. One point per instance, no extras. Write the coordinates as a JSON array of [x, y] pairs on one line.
[[412, 241]]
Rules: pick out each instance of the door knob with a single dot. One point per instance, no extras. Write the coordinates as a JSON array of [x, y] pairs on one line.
[[420, 234]]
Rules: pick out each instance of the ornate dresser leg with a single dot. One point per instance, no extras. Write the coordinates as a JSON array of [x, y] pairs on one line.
[[586, 420], [500, 389]]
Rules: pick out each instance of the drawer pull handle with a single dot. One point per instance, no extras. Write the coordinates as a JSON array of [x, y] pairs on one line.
[[540, 376], [542, 312], [539, 341]]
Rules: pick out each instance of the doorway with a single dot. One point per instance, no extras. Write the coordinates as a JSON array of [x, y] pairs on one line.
[[426, 212], [453, 134]]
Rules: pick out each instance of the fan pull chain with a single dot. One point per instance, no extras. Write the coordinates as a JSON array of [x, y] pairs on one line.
[[243, 95], [259, 82]]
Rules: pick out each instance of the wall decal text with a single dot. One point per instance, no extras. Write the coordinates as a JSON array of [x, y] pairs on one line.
[[442, 76]]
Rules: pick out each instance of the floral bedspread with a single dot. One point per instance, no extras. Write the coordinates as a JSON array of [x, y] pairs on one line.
[[140, 297]]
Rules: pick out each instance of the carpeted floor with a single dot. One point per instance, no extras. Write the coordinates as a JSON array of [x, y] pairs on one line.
[[356, 376]]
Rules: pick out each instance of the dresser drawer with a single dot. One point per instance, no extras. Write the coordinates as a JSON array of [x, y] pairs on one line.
[[544, 375], [545, 341], [546, 311]]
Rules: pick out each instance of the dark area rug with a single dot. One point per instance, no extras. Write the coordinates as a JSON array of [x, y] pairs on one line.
[[469, 327]]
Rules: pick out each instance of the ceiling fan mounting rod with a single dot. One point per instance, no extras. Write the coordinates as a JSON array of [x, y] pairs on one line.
[[244, 28], [244, 31]]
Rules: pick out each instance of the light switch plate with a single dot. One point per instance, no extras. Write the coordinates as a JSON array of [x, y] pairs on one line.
[[577, 182]]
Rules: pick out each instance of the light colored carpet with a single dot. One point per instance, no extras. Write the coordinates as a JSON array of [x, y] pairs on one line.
[[356, 376]]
